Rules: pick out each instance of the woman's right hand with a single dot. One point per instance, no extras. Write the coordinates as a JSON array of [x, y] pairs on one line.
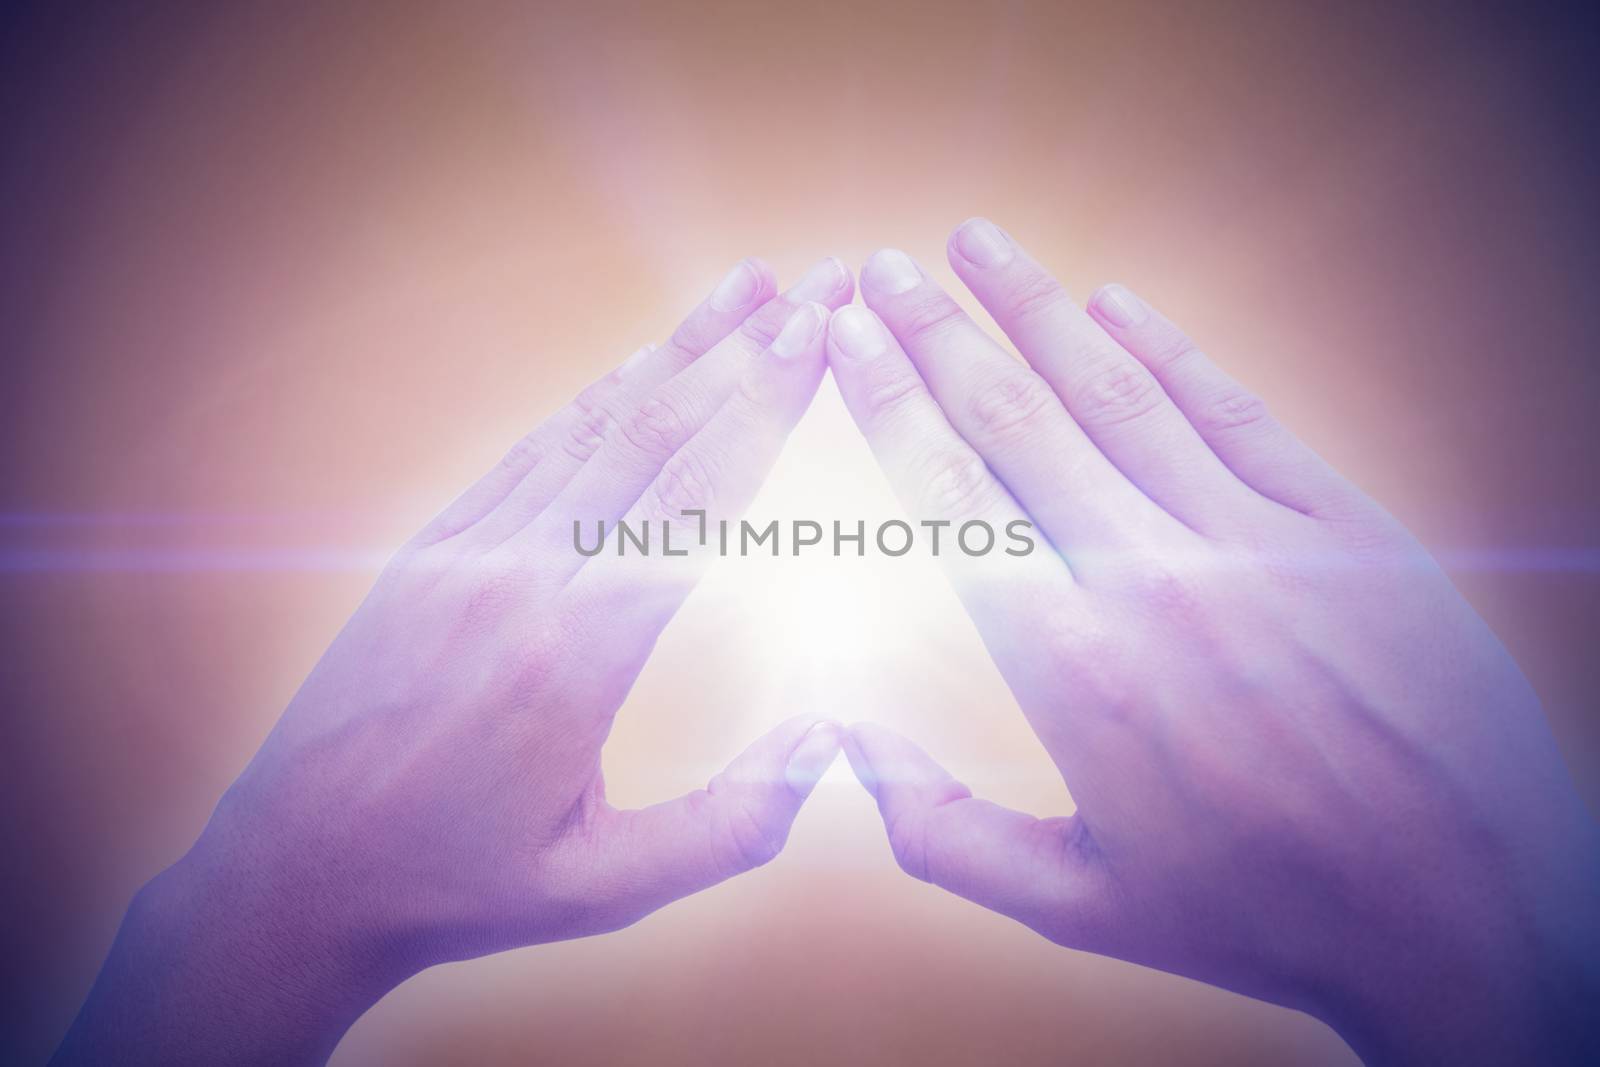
[[1304, 768]]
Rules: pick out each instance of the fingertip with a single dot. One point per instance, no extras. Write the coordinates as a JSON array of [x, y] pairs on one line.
[[847, 290], [812, 756], [979, 243], [828, 281], [873, 734], [889, 272], [796, 726], [855, 332], [1118, 307], [966, 223], [856, 754], [894, 760], [745, 286], [802, 332], [764, 272]]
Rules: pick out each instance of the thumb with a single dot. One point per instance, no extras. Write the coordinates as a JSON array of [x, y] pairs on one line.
[[1044, 873], [653, 856]]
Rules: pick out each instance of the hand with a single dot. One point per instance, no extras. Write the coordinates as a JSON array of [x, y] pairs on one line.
[[1304, 769], [433, 792]]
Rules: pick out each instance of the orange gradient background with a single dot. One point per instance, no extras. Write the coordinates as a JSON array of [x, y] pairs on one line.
[[280, 280]]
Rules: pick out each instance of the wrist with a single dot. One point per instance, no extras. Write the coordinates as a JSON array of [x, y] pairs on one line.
[[207, 968], [299, 968], [1522, 995]]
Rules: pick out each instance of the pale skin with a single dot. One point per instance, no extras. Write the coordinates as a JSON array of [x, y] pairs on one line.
[[1304, 769], [433, 792]]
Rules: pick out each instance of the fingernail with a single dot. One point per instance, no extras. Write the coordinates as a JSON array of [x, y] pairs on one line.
[[857, 332], [890, 271], [737, 289], [981, 243], [799, 332], [819, 283], [1119, 307], [812, 757]]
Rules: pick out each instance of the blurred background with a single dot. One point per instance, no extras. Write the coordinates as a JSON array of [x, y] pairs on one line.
[[277, 280]]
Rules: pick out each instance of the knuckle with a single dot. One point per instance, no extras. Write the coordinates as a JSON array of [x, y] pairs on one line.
[[524, 455], [929, 317], [1168, 596], [1119, 391], [762, 328], [1366, 531], [1106, 689], [534, 664], [493, 588], [1092, 666], [593, 394], [757, 390], [1035, 295], [656, 428], [890, 393], [752, 844], [956, 482], [684, 484], [1008, 402], [588, 433], [908, 840], [1166, 351], [1233, 409], [490, 596], [692, 338]]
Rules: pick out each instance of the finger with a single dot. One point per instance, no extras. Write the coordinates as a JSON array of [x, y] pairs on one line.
[[1042, 872], [487, 492], [713, 478], [741, 292], [652, 856], [937, 475], [636, 449], [1107, 392], [1011, 418], [1232, 420]]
